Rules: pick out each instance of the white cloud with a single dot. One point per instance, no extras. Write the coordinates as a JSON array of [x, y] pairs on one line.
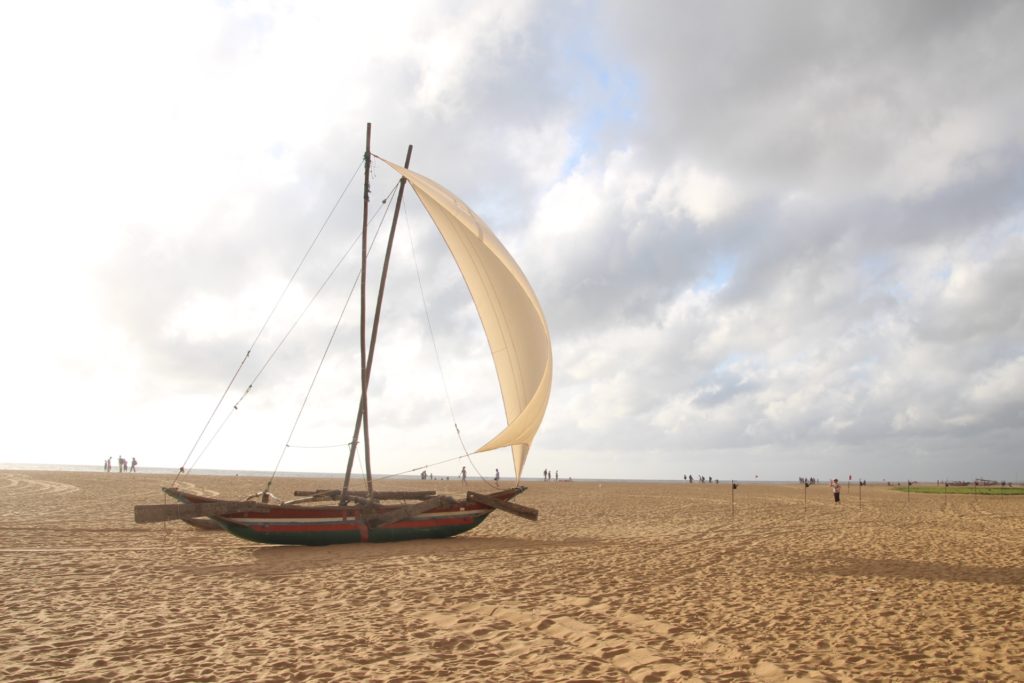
[[703, 196], [765, 241]]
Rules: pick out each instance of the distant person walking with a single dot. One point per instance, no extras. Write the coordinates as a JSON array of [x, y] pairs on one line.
[[497, 475], [463, 474], [836, 488], [134, 463]]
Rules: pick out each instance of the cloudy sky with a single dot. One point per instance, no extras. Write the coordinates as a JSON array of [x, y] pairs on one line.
[[771, 239]]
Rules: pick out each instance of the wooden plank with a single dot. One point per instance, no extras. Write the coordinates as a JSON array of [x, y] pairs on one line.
[[147, 514], [504, 505], [407, 511], [404, 495], [308, 499], [335, 494]]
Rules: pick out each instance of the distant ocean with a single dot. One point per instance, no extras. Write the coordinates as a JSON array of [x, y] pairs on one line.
[[173, 470], [338, 475]]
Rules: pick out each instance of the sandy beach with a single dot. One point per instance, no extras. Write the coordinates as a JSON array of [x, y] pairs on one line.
[[616, 582]]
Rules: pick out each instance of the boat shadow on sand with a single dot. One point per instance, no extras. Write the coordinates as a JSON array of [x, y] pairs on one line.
[[286, 559]]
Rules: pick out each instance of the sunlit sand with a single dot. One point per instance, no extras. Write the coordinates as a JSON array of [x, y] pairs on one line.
[[618, 581]]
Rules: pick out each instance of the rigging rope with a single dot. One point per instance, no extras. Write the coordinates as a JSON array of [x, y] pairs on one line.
[[316, 294], [386, 202], [252, 382], [440, 369], [433, 341], [312, 382], [466, 456], [383, 214], [220, 401], [259, 372]]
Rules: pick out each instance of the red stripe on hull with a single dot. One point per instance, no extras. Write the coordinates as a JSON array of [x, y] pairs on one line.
[[302, 525]]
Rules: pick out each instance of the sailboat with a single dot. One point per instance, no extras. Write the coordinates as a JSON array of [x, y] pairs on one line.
[[520, 345]]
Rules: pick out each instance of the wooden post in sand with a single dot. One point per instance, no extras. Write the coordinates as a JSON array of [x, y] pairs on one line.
[[807, 485], [734, 485]]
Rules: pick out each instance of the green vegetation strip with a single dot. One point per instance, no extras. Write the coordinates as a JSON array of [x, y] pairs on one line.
[[980, 490]]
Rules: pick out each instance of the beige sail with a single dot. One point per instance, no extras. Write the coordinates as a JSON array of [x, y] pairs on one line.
[[509, 311]]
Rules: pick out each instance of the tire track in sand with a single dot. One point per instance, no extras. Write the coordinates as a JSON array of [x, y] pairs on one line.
[[12, 485]]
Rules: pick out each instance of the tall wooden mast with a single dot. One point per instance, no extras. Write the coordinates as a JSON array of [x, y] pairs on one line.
[[367, 356], [364, 408]]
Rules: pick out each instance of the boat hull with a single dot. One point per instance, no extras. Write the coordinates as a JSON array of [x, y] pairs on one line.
[[334, 524]]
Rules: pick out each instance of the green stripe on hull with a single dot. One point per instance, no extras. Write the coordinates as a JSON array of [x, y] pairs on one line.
[[291, 537], [379, 535], [388, 534]]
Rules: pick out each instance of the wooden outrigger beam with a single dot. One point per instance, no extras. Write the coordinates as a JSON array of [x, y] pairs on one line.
[[504, 505], [335, 494], [316, 498], [331, 494], [407, 511], [147, 514]]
